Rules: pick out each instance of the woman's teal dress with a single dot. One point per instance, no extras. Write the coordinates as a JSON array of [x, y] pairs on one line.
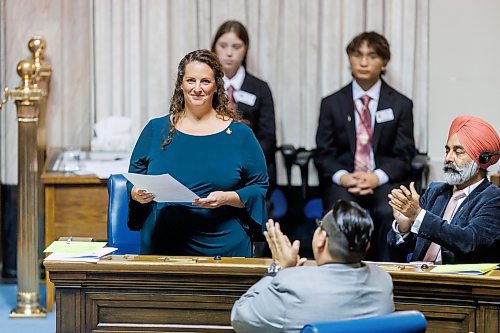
[[230, 160]]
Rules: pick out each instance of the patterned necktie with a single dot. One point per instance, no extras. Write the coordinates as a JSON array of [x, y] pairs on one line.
[[363, 137], [230, 95], [433, 250]]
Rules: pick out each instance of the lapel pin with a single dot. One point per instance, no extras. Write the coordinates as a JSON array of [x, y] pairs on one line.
[[348, 119], [228, 131]]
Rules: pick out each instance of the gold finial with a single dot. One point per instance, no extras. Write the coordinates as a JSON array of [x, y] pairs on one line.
[[36, 45], [26, 69], [27, 93]]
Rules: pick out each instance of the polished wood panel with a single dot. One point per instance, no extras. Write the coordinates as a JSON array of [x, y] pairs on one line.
[[181, 294], [74, 206]]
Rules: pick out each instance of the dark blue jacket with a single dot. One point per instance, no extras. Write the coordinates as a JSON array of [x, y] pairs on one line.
[[472, 236]]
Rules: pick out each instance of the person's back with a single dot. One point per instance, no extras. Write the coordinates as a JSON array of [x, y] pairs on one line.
[[301, 295], [341, 286]]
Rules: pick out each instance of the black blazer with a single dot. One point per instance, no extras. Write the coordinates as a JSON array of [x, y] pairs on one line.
[[473, 235], [393, 144], [261, 114]]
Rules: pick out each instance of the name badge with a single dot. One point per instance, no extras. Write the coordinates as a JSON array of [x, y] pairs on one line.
[[383, 116], [247, 98]]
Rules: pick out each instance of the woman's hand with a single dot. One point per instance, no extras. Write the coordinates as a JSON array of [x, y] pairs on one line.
[[141, 196], [219, 198]]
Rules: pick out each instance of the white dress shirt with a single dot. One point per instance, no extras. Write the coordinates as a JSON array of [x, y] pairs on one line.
[[357, 93], [236, 81]]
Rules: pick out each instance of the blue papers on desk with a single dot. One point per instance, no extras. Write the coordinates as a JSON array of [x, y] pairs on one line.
[[164, 187]]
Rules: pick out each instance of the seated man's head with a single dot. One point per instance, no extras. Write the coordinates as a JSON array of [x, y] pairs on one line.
[[469, 137], [343, 234], [368, 54]]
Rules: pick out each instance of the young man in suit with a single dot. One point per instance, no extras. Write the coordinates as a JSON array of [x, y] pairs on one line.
[[339, 287], [365, 138], [456, 221]]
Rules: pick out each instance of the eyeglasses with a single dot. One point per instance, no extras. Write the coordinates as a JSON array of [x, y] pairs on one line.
[[319, 223]]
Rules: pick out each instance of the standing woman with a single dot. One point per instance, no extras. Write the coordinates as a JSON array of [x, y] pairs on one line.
[[203, 144], [249, 95]]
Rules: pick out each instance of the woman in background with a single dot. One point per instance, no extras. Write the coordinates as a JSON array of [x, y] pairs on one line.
[[250, 96], [204, 145]]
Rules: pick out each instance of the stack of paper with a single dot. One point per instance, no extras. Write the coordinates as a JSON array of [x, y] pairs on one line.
[[77, 251], [164, 187], [466, 269]]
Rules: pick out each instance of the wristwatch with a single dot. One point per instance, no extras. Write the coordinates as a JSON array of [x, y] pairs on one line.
[[273, 269]]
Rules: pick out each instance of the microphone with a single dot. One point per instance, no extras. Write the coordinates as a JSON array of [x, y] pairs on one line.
[[486, 156]]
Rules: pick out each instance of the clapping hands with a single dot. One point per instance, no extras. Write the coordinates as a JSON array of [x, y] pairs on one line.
[[284, 252], [405, 205]]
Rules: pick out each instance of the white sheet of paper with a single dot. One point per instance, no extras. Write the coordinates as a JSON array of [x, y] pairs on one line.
[[165, 187], [92, 256]]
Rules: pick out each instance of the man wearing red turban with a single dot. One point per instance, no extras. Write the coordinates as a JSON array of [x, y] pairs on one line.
[[457, 221]]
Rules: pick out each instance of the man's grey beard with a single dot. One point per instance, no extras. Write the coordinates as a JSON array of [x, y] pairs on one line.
[[456, 176]]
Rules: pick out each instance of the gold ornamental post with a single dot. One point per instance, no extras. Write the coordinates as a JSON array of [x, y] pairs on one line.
[[27, 98], [43, 73], [41, 79]]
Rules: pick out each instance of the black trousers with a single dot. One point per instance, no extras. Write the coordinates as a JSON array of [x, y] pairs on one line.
[[378, 207]]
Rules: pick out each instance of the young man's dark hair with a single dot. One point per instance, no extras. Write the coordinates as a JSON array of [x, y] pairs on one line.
[[374, 40]]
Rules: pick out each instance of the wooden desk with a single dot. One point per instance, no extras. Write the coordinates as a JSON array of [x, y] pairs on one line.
[[74, 206], [154, 294]]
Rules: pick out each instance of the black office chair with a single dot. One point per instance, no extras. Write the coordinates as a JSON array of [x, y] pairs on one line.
[[299, 157], [313, 207], [420, 171]]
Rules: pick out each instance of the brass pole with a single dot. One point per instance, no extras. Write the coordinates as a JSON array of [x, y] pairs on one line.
[[27, 98], [41, 79]]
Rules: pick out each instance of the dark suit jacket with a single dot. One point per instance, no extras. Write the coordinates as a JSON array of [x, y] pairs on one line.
[[261, 114], [473, 235], [393, 144]]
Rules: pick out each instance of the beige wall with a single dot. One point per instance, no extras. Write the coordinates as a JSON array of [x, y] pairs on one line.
[[65, 25], [464, 76], [464, 67]]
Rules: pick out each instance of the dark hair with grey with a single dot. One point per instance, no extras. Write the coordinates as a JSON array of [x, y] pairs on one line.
[[349, 228]]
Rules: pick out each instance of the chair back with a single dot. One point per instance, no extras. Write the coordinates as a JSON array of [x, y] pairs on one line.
[[278, 204], [396, 322], [119, 235]]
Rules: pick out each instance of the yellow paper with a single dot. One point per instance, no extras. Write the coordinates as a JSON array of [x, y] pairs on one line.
[[74, 247], [468, 269]]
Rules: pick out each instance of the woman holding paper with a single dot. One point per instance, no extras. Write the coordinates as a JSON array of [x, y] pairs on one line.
[[204, 145], [249, 95]]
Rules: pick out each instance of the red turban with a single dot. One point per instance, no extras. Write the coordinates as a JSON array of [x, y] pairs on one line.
[[476, 136]]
